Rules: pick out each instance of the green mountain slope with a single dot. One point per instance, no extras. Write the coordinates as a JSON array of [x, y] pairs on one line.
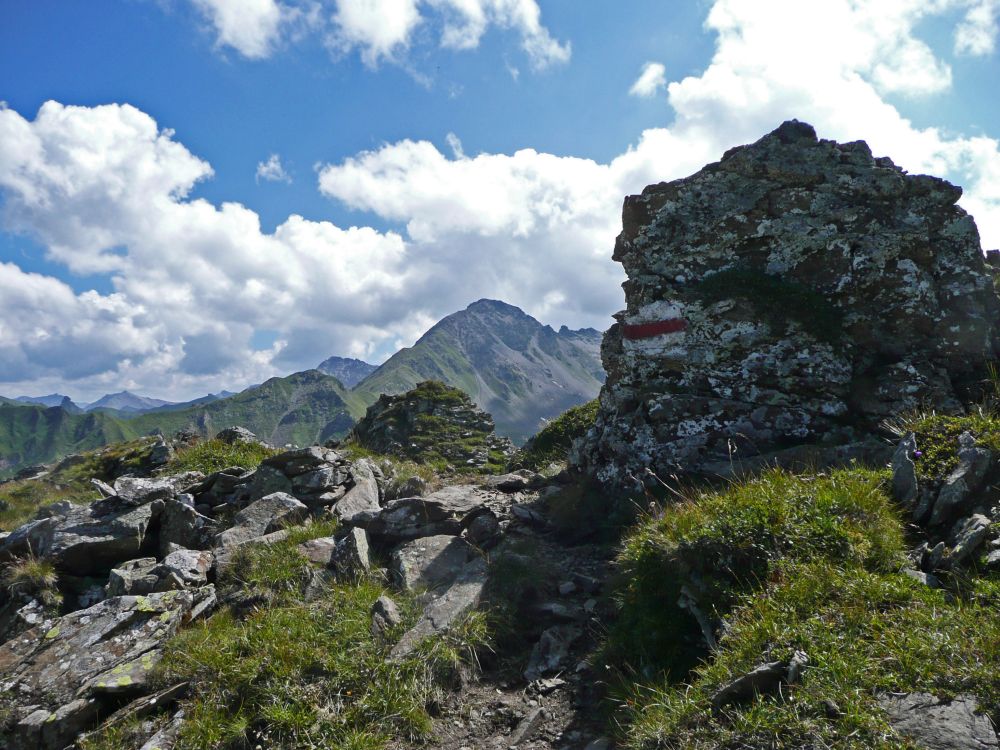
[[512, 366], [32, 434], [301, 408]]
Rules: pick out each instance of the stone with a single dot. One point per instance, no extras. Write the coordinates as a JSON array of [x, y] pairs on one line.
[[484, 530], [934, 724], [385, 616], [139, 490], [959, 487], [928, 579], [85, 540], [527, 727], [182, 525], [799, 291], [904, 471], [133, 577], [441, 512], [363, 497], [319, 551], [350, 556], [266, 480], [517, 481], [429, 563], [301, 460], [104, 488], [993, 560], [320, 480], [166, 738], [189, 567], [441, 613], [552, 651], [765, 678], [268, 514], [238, 436], [412, 486], [967, 537], [225, 556], [56, 671]]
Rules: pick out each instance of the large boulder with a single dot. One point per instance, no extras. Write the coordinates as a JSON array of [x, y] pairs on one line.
[[934, 724], [447, 511], [799, 291], [86, 539], [63, 674], [268, 514]]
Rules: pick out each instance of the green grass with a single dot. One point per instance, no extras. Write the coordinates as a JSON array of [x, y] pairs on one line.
[[937, 438], [69, 480], [791, 563], [292, 674], [776, 301], [32, 576], [208, 456], [552, 443]]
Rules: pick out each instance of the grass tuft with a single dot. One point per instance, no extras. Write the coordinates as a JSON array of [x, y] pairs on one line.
[[208, 456]]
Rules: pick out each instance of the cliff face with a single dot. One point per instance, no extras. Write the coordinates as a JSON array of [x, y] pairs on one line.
[[797, 292]]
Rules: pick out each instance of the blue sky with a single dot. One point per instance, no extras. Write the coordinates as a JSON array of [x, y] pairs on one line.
[[423, 154]]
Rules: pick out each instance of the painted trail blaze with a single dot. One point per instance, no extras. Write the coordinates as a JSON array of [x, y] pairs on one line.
[[657, 328]]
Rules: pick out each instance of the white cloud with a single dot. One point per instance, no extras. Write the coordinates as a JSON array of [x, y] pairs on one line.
[[251, 27], [977, 33], [652, 78], [272, 170], [381, 30]]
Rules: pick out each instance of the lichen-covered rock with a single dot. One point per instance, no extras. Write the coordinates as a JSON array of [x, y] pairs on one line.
[[64, 673], [799, 291]]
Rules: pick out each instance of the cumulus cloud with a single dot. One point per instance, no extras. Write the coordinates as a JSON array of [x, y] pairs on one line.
[[107, 190], [977, 33], [652, 78], [272, 170], [380, 30], [251, 27]]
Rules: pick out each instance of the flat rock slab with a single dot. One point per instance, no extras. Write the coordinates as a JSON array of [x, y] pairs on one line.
[[443, 512], [430, 563], [138, 490], [934, 724], [457, 600], [62, 667]]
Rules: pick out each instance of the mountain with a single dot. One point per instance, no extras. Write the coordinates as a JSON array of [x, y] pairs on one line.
[[348, 371], [208, 399], [515, 368], [301, 408], [126, 402], [33, 434], [53, 399]]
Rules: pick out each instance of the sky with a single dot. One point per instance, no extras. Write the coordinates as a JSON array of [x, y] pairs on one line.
[[196, 195]]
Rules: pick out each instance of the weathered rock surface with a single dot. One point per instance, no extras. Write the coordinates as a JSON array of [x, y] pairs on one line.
[[268, 514], [934, 724], [454, 602], [430, 563], [85, 539], [796, 292], [446, 511], [62, 671]]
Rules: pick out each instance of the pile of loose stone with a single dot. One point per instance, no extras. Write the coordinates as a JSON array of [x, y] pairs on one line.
[[142, 561]]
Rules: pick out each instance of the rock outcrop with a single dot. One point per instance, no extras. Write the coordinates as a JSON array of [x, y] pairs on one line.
[[433, 423], [795, 293]]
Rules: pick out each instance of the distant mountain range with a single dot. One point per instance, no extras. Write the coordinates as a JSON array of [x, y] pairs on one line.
[[512, 366], [123, 403]]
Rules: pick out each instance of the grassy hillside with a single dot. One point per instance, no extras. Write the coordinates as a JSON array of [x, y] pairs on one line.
[[791, 563], [31, 434], [300, 409], [512, 366]]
